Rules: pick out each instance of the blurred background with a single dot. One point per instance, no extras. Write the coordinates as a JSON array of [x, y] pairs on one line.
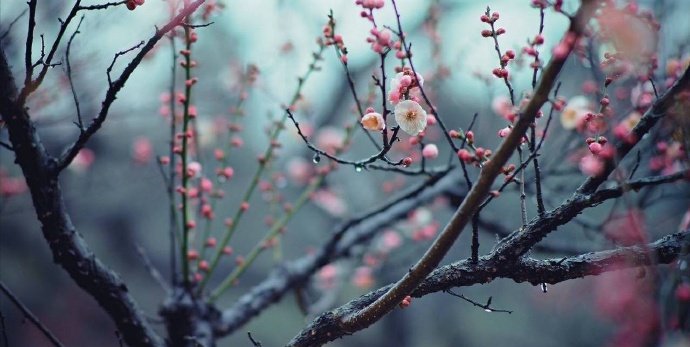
[[117, 196]]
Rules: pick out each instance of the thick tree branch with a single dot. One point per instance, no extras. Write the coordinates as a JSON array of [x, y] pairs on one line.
[[327, 327], [505, 261], [519, 242], [68, 247], [355, 232], [557, 270], [648, 120]]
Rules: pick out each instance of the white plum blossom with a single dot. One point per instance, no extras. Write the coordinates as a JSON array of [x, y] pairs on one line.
[[410, 116], [575, 112]]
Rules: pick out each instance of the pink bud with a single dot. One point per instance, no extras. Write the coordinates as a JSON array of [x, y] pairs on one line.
[[539, 39], [464, 155], [219, 154], [595, 148], [454, 134], [430, 120], [407, 161], [211, 242], [244, 206], [203, 266], [430, 151]]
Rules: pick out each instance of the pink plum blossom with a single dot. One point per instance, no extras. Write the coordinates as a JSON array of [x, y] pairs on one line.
[[299, 170], [142, 151], [83, 160], [330, 139], [590, 165], [330, 202], [363, 277]]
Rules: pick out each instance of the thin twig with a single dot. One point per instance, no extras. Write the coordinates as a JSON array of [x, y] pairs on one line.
[[12, 23], [194, 26], [80, 124], [29, 84], [358, 164], [503, 64], [29, 44], [351, 82], [7, 146], [486, 307], [117, 55], [537, 171], [30, 316], [155, 274], [3, 327], [636, 166], [254, 342], [102, 6], [115, 86]]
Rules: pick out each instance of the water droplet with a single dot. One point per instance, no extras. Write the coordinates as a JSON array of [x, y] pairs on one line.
[[358, 168], [544, 289], [316, 159], [488, 310]]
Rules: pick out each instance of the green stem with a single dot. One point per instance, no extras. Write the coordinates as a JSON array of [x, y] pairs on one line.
[[275, 229], [268, 155], [224, 163], [185, 178], [261, 245]]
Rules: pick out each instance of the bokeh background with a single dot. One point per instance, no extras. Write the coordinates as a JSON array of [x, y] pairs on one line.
[[118, 203]]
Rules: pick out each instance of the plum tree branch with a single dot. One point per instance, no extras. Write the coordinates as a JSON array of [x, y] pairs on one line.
[[114, 87], [39, 169], [350, 234], [464, 273], [519, 242], [648, 120], [68, 247], [361, 319], [505, 261]]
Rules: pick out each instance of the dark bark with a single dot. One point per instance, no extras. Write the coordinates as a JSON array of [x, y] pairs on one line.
[[68, 247], [41, 171], [328, 326], [188, 320]]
